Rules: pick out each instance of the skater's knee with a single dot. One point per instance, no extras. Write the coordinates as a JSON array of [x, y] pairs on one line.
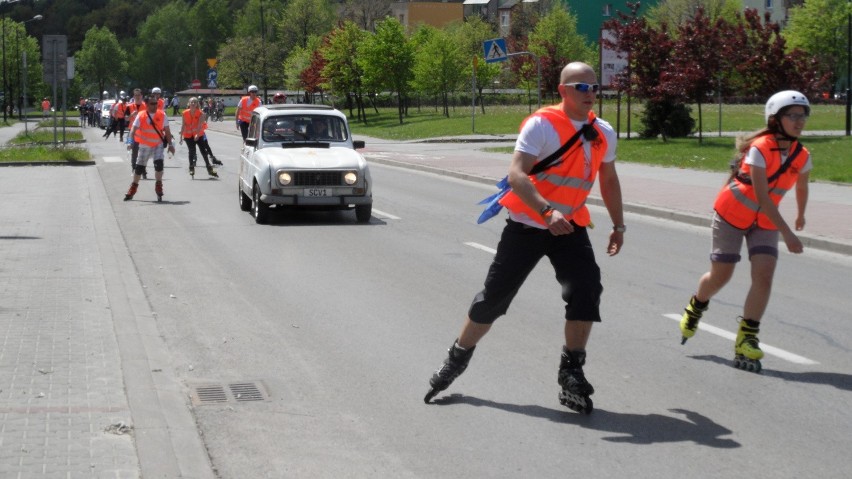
[[484, 311], [158, 165], [139, 169], [582, 301]]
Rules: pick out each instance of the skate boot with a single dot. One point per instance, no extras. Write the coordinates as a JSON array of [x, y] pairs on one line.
[[215, 161], [575, 389], [158, 188], [453, 366], [212, 172], [747, 353], [131, 191], [192, 171], [691, 315]]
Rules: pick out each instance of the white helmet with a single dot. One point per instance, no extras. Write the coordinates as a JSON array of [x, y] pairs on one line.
[[784, 99], [122, 93], [156, 90], [252, 88]]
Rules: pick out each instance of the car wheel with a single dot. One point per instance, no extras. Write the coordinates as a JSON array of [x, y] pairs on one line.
[[363, 213], [245, 201], [260, 210]]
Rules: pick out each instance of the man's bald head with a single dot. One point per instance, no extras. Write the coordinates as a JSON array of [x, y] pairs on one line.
[[577, 72]]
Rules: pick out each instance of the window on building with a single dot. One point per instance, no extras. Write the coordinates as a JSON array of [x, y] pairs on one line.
[[607, 9], [504, 19], [769, 4]]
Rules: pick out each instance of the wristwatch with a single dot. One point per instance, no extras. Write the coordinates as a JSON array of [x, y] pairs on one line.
[[546, 211], [619, 228]]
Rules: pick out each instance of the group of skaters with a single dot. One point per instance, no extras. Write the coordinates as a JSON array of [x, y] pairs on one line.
[[150, 137], [560, 151]]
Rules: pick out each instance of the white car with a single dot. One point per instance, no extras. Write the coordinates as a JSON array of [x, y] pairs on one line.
[[302, 156], [104, 119]]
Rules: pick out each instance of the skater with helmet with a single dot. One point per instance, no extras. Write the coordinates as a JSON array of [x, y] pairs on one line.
[[769, 163], [279, 98], [246, 105], [548, 217]]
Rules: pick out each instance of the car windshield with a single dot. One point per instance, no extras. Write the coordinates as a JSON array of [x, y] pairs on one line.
[[304, 127]]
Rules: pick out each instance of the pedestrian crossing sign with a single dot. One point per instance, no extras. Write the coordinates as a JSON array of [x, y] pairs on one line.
[[495, 50]]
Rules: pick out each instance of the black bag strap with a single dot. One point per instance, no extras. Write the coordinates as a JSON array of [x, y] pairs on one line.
[[154, 126], [588, 130], [784, 167]]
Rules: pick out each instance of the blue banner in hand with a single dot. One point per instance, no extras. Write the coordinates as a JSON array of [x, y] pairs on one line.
[[493, 202]]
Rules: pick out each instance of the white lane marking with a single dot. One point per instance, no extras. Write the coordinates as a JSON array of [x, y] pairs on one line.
[[385, 215], [778, 352], [482, 247], [113, 159]]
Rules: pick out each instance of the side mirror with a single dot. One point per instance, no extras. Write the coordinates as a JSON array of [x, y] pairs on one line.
[[358, 144], [251, 142]]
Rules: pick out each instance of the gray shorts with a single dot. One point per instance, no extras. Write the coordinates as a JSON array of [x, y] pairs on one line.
[[728, 241], [149, 152]]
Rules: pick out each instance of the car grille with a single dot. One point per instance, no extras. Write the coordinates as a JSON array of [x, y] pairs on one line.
[[318, 178]]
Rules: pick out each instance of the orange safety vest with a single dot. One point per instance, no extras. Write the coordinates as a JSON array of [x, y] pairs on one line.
[[192, 124], [246, 108], [564, 186], [737, 202], [146, 134], [118, 110]]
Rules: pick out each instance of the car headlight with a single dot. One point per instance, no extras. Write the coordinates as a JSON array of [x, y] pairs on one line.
[[350, 178], [284, 178]]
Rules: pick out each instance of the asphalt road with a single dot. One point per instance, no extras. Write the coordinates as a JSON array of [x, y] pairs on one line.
[[339, 326]]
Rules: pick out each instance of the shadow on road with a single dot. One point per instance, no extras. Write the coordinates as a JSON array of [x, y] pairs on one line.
[[838, 380], [631, 428]]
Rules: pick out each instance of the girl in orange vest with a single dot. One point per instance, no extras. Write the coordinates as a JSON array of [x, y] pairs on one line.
[[191, 131], [770, 163]]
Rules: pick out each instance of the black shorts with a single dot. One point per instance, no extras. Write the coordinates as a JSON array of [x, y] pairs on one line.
[[519, 250]]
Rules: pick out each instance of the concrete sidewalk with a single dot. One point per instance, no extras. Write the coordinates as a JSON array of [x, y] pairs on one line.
[[87, 387]]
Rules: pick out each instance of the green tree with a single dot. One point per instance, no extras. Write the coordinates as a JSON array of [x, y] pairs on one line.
[[162, 56], [302, 19], [101, 61], [296, 62], [675, 12], [239, 63], [342, 69], [819, 27], [387, 58], [471, 35], [210, 23], [439, 66], [19, 43], [366, 13], [556, 42]]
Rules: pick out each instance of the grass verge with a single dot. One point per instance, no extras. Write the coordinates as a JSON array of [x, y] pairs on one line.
[[37, 147]]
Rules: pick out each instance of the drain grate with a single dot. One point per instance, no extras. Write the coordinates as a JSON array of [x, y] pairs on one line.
[[234, 392]]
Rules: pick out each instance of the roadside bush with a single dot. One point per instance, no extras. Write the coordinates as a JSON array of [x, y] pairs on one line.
[[671, 120]]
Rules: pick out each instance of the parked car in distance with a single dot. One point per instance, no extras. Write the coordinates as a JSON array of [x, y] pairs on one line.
[[104, 119], [302, 157]]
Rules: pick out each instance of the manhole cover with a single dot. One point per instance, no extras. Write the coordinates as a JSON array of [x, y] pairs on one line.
[[246, 391]]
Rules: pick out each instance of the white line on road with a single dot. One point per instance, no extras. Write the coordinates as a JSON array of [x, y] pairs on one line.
[[385, 215], [778, 352], [113, 159], [481, 247]]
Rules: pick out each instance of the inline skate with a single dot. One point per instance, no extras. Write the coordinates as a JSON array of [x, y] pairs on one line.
[[453, 366], [575, 388], [691, 316], [747, 352]]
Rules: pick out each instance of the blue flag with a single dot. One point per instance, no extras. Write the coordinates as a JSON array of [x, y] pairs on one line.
[[493, 202]]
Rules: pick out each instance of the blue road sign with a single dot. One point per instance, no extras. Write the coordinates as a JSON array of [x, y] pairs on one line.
[[495, 50]]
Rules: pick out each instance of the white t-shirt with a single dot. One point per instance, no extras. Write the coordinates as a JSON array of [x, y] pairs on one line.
[[755, 158], [539, 138]]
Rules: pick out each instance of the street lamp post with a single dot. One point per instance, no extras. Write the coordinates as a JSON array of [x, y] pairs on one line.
[[194, 63]]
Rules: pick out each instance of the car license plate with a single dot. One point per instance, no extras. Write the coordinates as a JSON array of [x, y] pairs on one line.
[[314, 192]]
